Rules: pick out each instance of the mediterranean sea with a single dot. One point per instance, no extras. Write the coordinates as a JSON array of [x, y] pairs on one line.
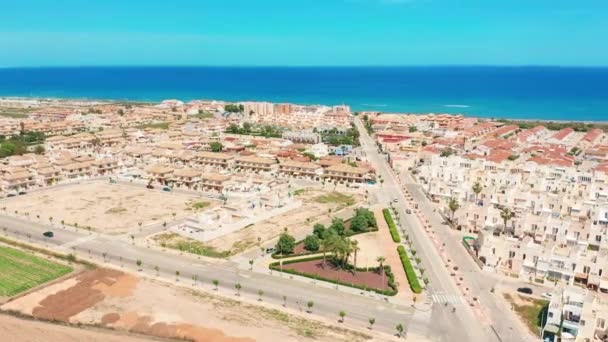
[[546, 93]]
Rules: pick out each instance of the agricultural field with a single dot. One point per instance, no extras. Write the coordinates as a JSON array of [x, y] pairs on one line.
[[21, 271]]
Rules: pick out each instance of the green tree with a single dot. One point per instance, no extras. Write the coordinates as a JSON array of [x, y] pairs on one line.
[[286, 244], [311, 243], [453, 205], [138, 263], [216, 283], [337, 226], [310, 304], [39, 149], [506, 214], [399, 329], [238, 287], [319, 231], [216, 146], [342, 315], [260, 294], [371, 321], [477, 188]]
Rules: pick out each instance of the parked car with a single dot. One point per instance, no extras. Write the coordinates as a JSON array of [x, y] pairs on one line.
[[547, 295], [525, 290], [22, 192], [48, 234], [408, 211], [395, 200], [270, 250], [167, 189], [149, 187]]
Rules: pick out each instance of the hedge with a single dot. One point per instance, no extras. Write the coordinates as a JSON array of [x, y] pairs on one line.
[[387, 269], [391, 225], [409, 270]]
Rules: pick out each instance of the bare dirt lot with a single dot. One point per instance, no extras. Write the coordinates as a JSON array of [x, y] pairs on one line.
[[107, 208], [126, 303], [316, 205], [22, 330]]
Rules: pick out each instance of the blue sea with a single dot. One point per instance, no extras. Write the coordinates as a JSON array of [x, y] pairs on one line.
[[548, 93]]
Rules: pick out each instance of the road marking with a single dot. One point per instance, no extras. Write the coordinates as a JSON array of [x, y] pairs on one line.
[[447, 299]]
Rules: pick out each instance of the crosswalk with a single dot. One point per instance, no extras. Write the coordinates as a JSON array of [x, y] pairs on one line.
[[441, 298]]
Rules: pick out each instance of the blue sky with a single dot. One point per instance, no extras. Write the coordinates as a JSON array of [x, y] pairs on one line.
[[303, 32]]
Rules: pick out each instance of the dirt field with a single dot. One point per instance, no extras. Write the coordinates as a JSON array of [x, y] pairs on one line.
[[107, 208], [22, 330], [315, 206], [123, 302]]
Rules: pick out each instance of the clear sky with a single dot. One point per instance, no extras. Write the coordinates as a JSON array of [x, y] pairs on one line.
[[303, 32]]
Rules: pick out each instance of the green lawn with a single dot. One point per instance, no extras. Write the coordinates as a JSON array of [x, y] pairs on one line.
[[336, 197], [21, 271]]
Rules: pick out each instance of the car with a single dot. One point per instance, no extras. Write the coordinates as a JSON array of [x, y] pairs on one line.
[[48, 234], [22, 192], [408, 211], [11, 195], [525, 290], [149, 187], [395, 200], [167, 189], [270, 250], [547, 295]]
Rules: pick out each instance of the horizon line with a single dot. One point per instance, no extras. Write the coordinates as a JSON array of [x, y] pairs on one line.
[[308, 66]]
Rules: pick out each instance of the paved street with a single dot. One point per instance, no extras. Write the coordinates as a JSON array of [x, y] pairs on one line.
[[327, 301], [442, 289]]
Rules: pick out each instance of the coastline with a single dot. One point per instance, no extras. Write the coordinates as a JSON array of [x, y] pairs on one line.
[[153, 102]]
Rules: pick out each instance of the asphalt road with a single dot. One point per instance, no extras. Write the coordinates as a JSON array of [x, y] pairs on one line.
[[327, 301]]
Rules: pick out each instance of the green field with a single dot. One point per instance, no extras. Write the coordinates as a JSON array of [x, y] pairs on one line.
[[21, 271]]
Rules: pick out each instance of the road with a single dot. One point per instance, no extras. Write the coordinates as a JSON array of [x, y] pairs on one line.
[[503, 326], [121, 252]]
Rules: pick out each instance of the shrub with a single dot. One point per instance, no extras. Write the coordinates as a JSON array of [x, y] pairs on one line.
[[311, 243], [409, 270], [391, 225]]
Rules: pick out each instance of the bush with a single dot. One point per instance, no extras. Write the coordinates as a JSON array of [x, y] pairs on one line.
[[311, 243], [286, 244], [409, 270], [391, 225]]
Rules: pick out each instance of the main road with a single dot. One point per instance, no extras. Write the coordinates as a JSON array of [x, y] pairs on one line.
[[328, 302], [500, 325]]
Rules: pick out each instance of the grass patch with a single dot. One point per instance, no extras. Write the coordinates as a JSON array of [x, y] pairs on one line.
[[157, 125], [198, 205], [391, 225], [184, 244], [203, 115], [21, 271], [299, 192], [15, 112], [337, 198], [530, 310], [409, 270]]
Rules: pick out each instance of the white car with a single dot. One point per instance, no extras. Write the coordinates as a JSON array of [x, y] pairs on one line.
[[547, 295]]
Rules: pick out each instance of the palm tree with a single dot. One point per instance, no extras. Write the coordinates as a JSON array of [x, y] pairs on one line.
[[371, 322], [355, 248], [251, 265], [260, 294], [381, 261], [176, 275], [104, 256], [477, 188], [156, 268], [453, 205], [284, 301], [310, 304], [216, 283], [132, 239], [506, 214], [138, 263], [342, 315], [238, 286], [194, 278]]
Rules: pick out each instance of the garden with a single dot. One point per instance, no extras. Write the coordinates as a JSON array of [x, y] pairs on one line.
[[362, 222]]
